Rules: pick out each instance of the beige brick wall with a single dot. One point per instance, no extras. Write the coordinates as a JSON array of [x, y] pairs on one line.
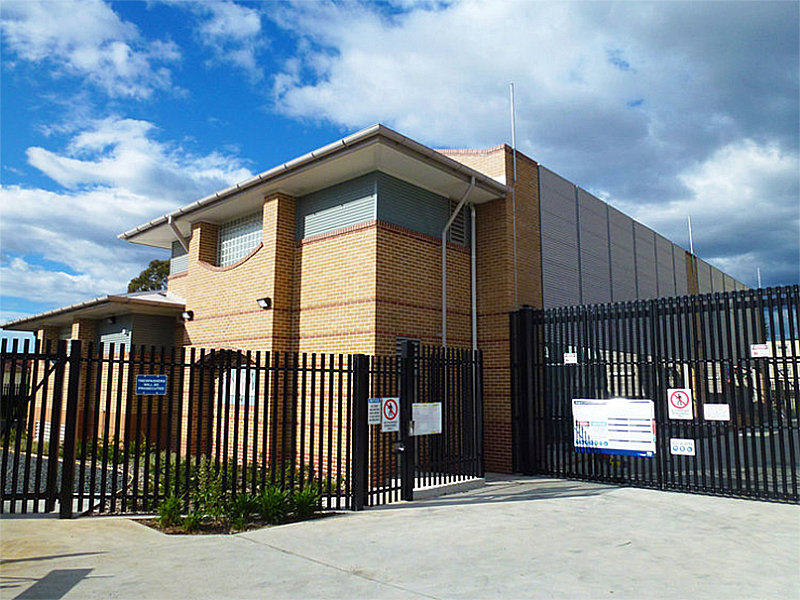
[[409, 290], [335, 290], [496, 283], [358, 289], [224, 299]]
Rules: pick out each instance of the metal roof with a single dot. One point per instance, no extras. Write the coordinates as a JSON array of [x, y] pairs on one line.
[[152, 302], [374, 148]]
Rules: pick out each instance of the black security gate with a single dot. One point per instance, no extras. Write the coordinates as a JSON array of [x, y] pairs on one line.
[[736, 354], [107, 429], [36, 433], [404, 461]]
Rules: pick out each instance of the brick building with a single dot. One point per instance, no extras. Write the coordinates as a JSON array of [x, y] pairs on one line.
[[340, 250]]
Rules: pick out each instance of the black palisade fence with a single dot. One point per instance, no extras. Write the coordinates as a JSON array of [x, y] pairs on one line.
[[736, 351], [107, 429]]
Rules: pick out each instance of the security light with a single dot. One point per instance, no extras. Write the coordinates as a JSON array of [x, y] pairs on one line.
[[111, 320], [187, 315], [265, 303]]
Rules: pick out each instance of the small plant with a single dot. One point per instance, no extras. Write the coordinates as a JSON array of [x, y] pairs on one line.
[[241, 509], [192, 521], [306, 502], [169, 512], [273, 505], [209, 497]]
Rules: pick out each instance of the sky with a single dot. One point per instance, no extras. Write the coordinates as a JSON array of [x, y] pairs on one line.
[[115, 113]]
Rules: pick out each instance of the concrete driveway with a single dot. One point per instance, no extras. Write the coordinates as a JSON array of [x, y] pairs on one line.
[[514, 538]]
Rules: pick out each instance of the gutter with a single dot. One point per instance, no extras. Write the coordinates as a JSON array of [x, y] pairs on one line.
[[348, 142]]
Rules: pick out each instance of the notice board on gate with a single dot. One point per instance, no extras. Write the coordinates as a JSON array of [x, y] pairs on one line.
[[624, 426]]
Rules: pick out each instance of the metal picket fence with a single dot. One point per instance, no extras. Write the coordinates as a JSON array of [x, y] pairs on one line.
[[105, 429], [737, 354]]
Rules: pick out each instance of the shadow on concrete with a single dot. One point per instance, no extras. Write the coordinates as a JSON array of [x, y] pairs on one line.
[[55, 584], [501, 488]]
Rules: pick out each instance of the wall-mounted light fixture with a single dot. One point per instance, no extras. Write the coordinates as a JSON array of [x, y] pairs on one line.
[[187, 315], [111, 320], [265, 303]]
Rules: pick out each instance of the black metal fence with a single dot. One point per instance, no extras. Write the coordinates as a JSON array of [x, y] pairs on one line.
[[737, 354], [144, 425]]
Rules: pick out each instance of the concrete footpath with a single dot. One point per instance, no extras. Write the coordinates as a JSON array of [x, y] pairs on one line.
[[514, 538]]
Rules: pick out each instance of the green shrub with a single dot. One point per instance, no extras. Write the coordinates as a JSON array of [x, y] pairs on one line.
[[273, 505], [306, 502], [242, 505], [208, 496], [192, 521], [169, 511], [240, 509]]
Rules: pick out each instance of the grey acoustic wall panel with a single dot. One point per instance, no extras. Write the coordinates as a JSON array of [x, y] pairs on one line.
[[682, 283], [717, 279], [560, 274], [645, 261], [665, 270], [341, 205], [623, 270], [595, 267], [730, 283], [704, 284]]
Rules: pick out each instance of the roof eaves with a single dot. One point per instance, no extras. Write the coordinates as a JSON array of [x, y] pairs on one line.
[[116, 299], [377, 130]]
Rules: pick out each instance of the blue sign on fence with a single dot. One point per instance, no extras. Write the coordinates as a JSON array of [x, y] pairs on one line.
[[151, 385]]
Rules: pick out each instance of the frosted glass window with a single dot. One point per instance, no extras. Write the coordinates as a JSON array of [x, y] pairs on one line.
[[237, 239]]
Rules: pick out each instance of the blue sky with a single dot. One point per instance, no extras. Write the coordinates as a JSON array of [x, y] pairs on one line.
[[114, 113]]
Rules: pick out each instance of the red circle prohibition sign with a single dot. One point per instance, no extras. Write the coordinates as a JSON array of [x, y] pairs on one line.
[[390, 410], [679, 399]]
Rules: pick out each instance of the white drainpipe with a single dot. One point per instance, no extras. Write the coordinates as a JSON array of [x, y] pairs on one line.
[[452, 218]]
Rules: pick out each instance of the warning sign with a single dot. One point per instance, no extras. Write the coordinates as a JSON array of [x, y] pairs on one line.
[[426, 418], [760, 351], [680, 403], [374, 411], [390, 415], [717, 412], [570, 358]]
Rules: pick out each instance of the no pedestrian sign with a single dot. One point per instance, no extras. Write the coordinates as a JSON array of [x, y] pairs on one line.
[[680, 403], [390, 415]]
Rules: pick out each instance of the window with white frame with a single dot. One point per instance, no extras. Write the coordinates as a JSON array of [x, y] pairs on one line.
[[237, 238]]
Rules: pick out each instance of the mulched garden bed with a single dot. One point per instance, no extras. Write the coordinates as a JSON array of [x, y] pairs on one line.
[[221, 527]]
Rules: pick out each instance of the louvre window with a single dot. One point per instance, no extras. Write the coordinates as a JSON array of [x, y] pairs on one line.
[[237, 239], [458, 229], [179, 262]]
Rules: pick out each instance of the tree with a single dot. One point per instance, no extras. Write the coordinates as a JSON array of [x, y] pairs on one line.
[[154, 277]]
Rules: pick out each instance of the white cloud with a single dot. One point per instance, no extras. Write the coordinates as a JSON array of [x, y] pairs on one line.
[[232, 32], [624, 98], [118, 176], [88, 39], [122, 153], [23, 280], [743, 201]]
